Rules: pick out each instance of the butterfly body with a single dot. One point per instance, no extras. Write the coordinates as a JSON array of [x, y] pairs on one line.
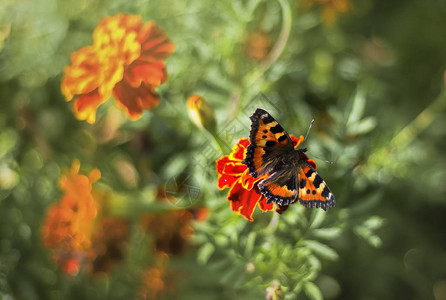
[[291, 176]]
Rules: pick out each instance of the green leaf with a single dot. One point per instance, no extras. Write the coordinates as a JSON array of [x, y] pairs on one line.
[[205, 252], [375, 241], [314, 262], [362, 127], [229, 275], [327, 233], [298, 287], [312, 291], [317, 217], [250, 241], [357, 108], [8, 141], [374, 222], [367, 234], [322, 250]]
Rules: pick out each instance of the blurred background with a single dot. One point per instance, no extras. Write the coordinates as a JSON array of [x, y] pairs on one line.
[[371, 74]]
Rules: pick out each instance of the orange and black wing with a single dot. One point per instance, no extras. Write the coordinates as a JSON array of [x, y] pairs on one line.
[[313, 191], [281, 187], [267, 141]]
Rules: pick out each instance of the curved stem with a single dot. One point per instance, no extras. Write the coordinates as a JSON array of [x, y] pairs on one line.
[[283, 36], [279, 46], [272, 56], [223, 148]]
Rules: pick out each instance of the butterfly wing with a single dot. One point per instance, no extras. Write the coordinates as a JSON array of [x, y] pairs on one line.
[[280, 187], [287, 182], [313, 191], [267, 140]]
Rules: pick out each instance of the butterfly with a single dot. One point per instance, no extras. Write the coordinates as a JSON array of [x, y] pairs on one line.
[[290, 176]]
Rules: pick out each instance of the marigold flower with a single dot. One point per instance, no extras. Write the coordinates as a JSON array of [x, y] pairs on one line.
[[68, 226], [126, 60], [244, 194]]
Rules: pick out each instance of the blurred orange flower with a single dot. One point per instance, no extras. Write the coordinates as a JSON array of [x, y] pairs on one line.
[[68, 226], [171, 230], [108, 243], [330, 9], [153, 281], [244, 195], [257, 45], [126, 60]]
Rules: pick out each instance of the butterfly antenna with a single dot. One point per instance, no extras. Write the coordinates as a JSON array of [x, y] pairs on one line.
[[308, 131], [327, 161], [305, 139]]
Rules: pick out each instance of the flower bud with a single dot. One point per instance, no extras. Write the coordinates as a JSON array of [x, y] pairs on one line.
[[201, 113]]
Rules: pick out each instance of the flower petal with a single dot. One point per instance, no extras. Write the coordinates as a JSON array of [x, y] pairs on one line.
[[220, 164], [248, 181], [85, 106], [238, 151], [135, 100], [235, 169], [313, 163], [154, 42], [225, 181], [296, 141], [152, 72], [243, 201], [265, 206], [81, 76]]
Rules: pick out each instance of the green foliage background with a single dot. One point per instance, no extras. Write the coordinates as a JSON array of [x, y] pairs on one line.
[[374, 82]]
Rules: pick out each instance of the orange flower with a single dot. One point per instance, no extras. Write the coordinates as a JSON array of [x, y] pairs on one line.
[[330, 9], [171, 230], [68, 226], [153, 281], [243, 193], [257, 45], [126, 60], [108, 243]]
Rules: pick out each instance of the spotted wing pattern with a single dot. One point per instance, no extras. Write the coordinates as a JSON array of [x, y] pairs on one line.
[[268, 139], [313, 191], [290, 177]]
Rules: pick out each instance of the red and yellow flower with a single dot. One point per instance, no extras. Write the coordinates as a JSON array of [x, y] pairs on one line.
[[126, 60], [244, 194]]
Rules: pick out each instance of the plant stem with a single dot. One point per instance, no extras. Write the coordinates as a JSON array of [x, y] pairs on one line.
[[270, 59], [278, 48], [407, 135]]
